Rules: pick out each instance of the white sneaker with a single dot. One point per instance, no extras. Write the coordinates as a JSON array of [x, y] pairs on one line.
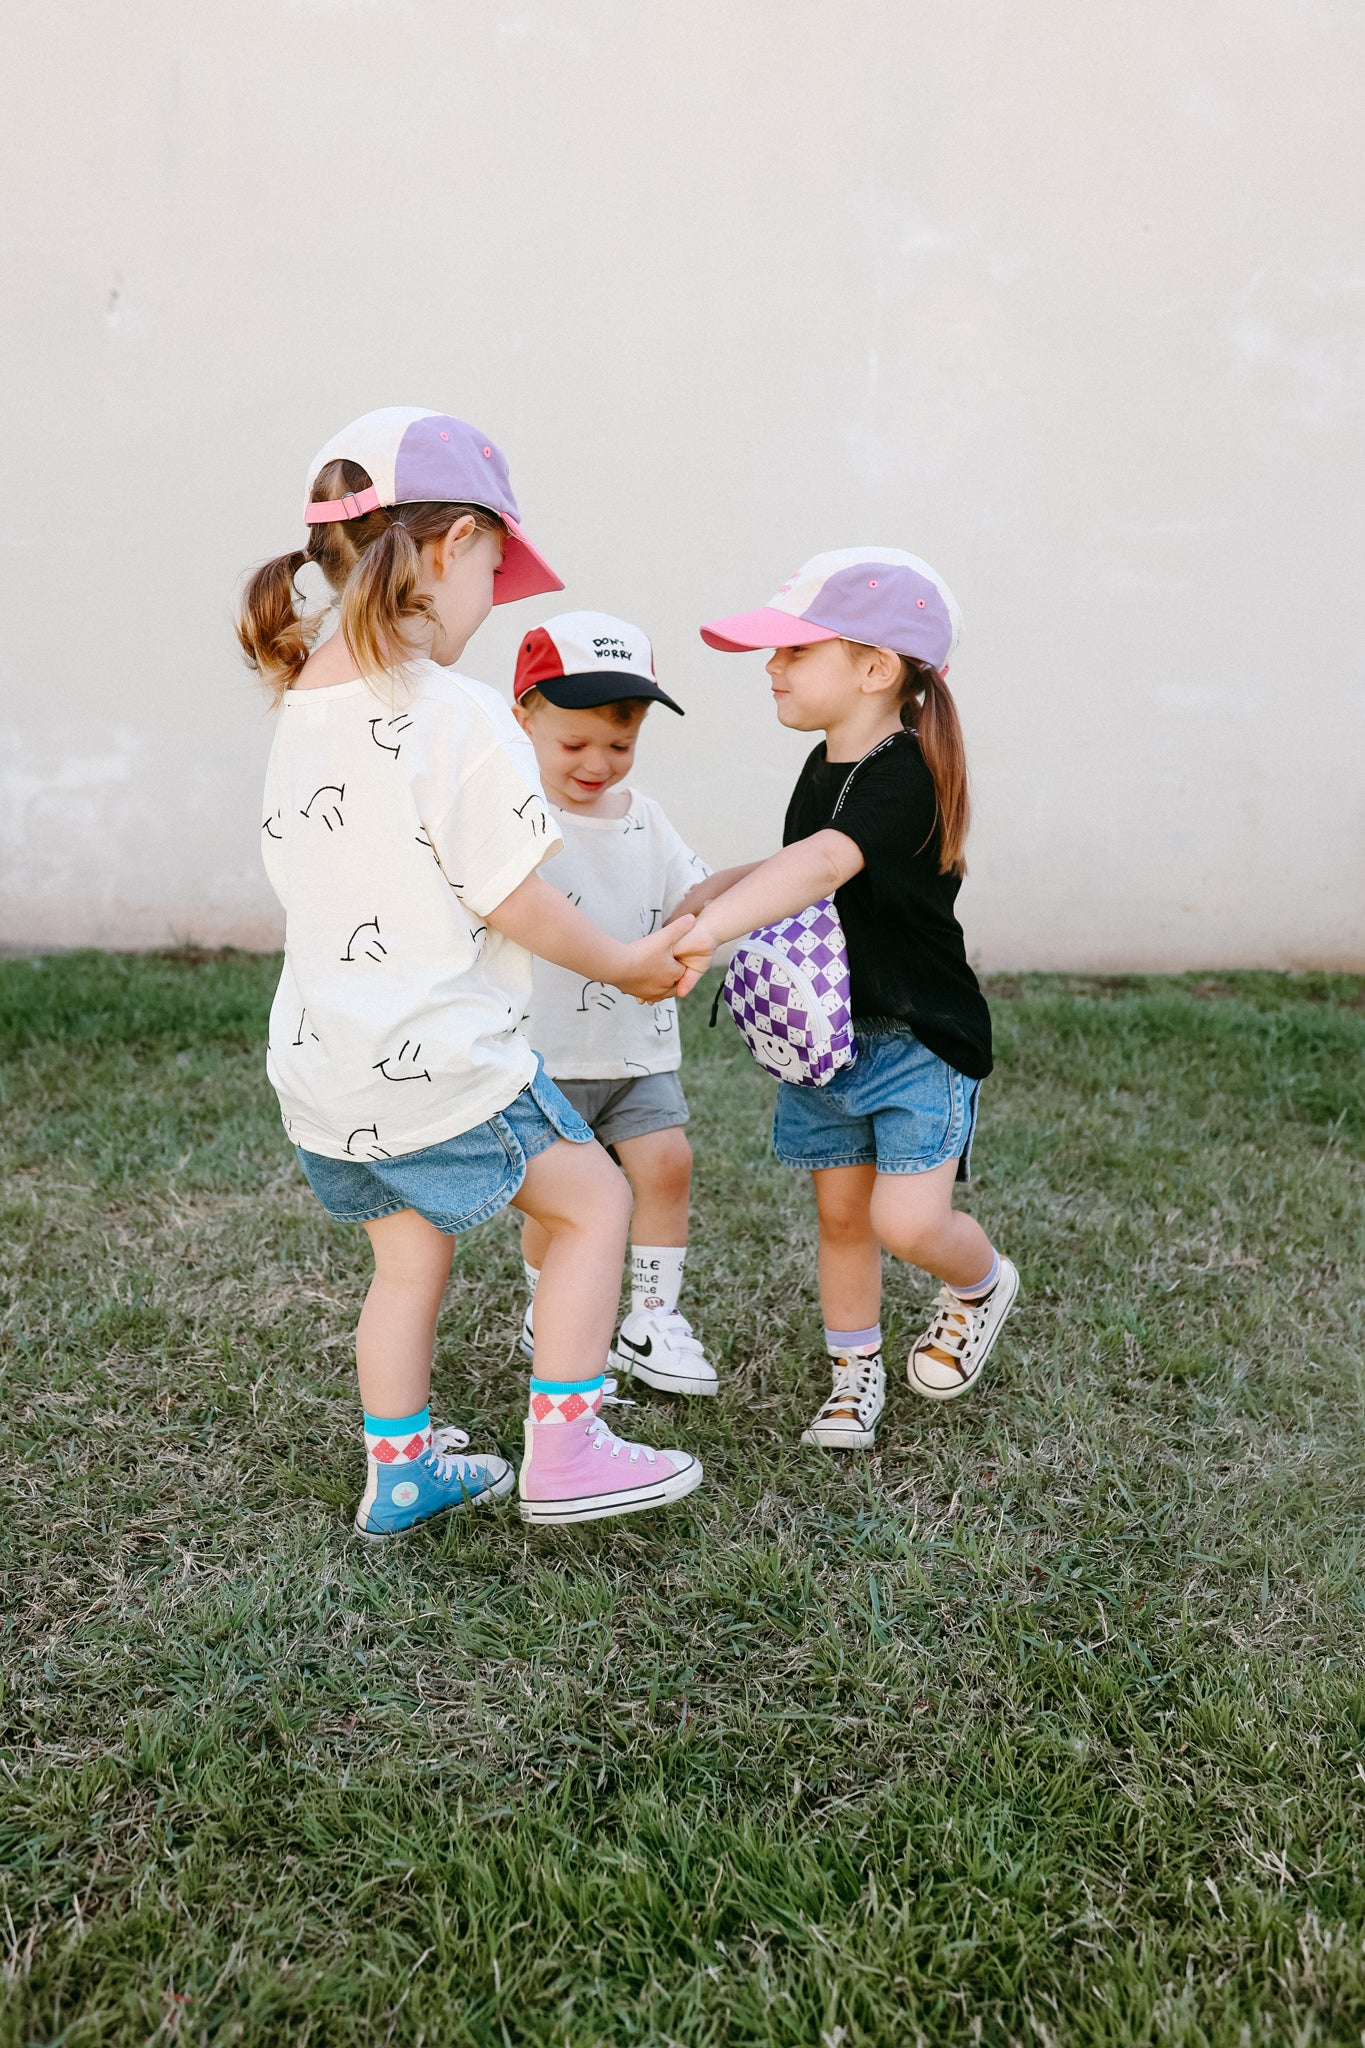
[[658, 1347], [848, 1420], [950, 1355]]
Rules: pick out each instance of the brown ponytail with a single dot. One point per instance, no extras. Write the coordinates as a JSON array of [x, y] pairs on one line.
[[374, 567], [274, 638], [927, 707]]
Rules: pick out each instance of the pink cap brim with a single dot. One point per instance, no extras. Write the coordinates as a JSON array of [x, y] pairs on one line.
[[763, 628], [524, 572]]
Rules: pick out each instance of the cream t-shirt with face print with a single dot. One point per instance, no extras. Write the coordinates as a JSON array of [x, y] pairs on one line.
[[626, 874], [393, 825]]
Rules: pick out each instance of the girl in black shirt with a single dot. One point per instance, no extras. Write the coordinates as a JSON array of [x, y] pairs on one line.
[[861, 640]]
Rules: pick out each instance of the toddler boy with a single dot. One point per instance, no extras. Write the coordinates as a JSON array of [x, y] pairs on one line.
[[583, 687]]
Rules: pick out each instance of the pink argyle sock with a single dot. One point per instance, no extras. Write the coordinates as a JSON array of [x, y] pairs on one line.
[[564, 1400]]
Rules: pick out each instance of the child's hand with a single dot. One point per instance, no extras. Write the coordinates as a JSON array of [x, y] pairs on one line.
[[696, 899], [693, 954], [652, 971], [709, 887]]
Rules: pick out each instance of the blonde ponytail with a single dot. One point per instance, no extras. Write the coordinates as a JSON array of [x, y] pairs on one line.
[[374, 567], [383, 598]]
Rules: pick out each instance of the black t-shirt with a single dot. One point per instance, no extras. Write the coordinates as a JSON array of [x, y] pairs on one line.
[[905, 949]]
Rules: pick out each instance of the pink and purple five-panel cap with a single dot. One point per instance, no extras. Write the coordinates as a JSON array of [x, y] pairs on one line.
[[880, 597], [415, 456]]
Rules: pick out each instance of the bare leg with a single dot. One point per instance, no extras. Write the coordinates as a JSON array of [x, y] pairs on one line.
[[535, 1240], [850, 1255], [913, 1216], [582, 1202], [659, 1169], [397, 1329]]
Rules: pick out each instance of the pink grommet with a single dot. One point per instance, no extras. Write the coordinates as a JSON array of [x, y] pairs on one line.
[[872, 583], [444, 435], [488, 451], [920, 602]]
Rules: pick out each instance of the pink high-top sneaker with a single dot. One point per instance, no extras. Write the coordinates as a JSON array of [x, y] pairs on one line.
[[576, 1470]]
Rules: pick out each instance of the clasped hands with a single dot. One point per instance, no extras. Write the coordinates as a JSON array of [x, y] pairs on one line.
[[670, 962], [676, 957]]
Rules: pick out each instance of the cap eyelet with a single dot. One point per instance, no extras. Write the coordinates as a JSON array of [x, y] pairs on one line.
[[872, 583], [920, 602], [488, 451], [444, 435]]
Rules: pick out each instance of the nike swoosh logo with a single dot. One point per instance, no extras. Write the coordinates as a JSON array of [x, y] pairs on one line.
[[640, 1350]]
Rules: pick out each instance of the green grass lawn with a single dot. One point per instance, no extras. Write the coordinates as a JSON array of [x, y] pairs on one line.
[[1045, 1724]]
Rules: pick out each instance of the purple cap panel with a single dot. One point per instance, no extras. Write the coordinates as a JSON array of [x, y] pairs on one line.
[[448, 462], [886, 604]]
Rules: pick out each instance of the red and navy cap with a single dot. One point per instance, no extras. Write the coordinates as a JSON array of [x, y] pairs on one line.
[[582, 659]]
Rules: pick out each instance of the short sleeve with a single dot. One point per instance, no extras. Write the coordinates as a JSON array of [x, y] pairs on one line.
[[683, 869], [889, 811], [497, 830]]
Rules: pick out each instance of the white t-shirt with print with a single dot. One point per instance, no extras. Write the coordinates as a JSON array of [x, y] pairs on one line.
[[391, 829], [626, 874]]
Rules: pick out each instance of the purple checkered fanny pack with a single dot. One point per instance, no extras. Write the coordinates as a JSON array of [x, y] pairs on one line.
[[787, 988]]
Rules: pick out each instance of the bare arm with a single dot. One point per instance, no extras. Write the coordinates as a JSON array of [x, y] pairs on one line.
[[704, 892], [546, 923], [800, 875]]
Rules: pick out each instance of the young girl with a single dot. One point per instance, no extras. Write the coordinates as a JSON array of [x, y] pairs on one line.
[[861, 640], [404, 825]]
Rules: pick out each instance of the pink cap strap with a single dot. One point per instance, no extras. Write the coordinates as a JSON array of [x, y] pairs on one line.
[[353, 506]]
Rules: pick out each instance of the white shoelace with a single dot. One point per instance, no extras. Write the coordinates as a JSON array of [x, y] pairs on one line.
[[446, 1444], [856, 1383], [601, 1438], [955, 1326]]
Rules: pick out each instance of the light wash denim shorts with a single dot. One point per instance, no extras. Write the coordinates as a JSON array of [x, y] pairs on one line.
[[460, 1182], [899, 1107]]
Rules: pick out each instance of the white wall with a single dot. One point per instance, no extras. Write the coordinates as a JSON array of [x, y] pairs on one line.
[[1067, 298]]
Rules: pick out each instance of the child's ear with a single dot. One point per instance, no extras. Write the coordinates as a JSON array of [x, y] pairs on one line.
[[454, 543], [883, 670], [522, 715]]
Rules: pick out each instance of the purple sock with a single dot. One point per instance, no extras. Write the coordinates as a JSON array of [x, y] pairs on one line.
[[840, 1342]]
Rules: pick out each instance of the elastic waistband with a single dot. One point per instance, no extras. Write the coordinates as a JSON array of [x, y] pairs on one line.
[[882, 1027]]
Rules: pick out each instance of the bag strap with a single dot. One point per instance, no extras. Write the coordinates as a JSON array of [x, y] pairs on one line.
[[861, 762]]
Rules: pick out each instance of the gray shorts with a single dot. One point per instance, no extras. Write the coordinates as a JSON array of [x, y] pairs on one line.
[[631, 1108]]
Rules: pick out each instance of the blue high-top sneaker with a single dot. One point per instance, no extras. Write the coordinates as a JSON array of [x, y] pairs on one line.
[[439, 1480]]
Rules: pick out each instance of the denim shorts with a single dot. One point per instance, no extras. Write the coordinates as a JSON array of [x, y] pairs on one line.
[[899, 1107], [458, 1183]]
